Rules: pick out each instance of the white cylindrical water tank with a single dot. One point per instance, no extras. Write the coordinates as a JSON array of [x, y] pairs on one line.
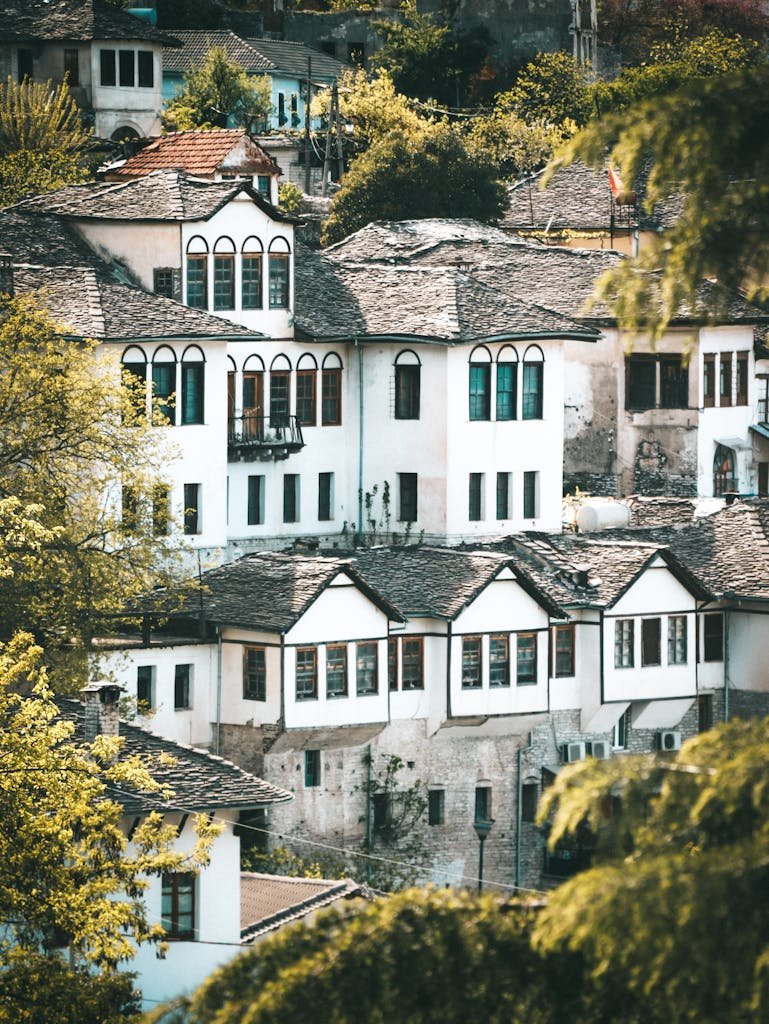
[[605, 515]]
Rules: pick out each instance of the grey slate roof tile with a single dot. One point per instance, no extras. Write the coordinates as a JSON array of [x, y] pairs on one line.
[[195, 44], [405, 239], [75, 20], [44, 240], [291, 58], [200, 781]]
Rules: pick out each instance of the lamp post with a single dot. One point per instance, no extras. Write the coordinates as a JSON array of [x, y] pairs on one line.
[[482, 828]]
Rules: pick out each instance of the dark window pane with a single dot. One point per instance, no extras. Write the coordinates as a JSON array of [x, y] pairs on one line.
[[677, 640], [306, 673], [709, 381], [279, 385], [182, 688], [163, 281], [331, 384], [72, 67], [713, 637], [193, 392], [503, 495], [640, 382], [507, 397], [436, 807], [650, 642], [526, 658], [530, 496], [407, 507], [472, 666], [197, 281], [674, 383], [251, 284], [145, 686], [564, 650], [499, 661], [475, 502], [305, 397], [126, 64], [742, 378], [178, 905], [725, 379], [704, 712], [336, 670], [483, 803], [312, 768], [407, 392], [135, 389], [278, 280], [224, 281], [366, 673], [255, 500], [192, 508], [325, 496], [146, 69], [531, 403], [163, 389], [529, 801], [624, 643], [107, 67], [254, 673], [411, 664], [480, 391], [291, 498]]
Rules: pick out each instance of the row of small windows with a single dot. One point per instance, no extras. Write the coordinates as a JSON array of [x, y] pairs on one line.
[[661, 380], [626, 649], [232, 275], [126, 68], [280, 399], [291, 498], [165, 379], [503, 496], [501, 658], [504, 396], [146, 688]]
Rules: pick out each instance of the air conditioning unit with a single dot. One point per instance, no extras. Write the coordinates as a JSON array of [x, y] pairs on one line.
[[600, 750], [573, 752], [669, 740]]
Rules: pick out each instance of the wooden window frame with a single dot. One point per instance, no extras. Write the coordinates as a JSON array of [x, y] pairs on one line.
[[564, 631], [309, 672], [472, 657], [651, 646], [624, 640], [175, 884], [530, 678], [415, 681], [343, 690], [254, 676], [497, 641], [306, 403], [373, 674], [331, 397]]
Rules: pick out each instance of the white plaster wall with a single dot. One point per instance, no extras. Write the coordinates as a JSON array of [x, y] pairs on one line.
[[116, 106], [747, 650], [235, 710], [141, 246]]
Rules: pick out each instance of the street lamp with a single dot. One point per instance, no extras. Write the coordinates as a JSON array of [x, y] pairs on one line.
[[482, 828]]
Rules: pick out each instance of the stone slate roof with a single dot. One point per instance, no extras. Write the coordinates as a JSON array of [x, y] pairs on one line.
[[440, 582], [195, 44], [163, 195], [407, 239], [87, 304], [270, 591], [291, 59], [269, 901], [73, 20], [44, 240], [198, 153], [336, 298], [200, 781]]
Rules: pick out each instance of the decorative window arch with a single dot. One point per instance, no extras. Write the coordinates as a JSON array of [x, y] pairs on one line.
[[479, 391], [197, 272], [251, 263], [224, 273], [332, 361], [306, 390], [507, 383], [134, 377], [280, 362], [331, 390], [279, 273], [533, 383], [408, 385], [164, 384], [253, 364], [224, 244], [724, 477], [193, 385], [307, 361], [253, 395]]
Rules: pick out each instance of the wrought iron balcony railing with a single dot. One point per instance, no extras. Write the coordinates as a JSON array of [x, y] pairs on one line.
[[252, 438]]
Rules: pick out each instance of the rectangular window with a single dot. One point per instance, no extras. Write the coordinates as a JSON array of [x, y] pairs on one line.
[[499, 660], [279, 398], [325, 497], [674, 383], [392, 663], [475, 498], [193, 394], [503, 495], [677, 640], [619, 732], [161, 510], [178, 904], [163, 281], [412, 669], [529, 801], [134, 381], [531, 402], [312, 768], [640, 382], [145, 687], [72, 66], [256, 489], [530, 494], [107, 67], [472, 663], [480, 391], [251, 280], [407, 392], [182, 687], [704, 712], [713, 637], [526, 659], [709, 381], [129, 518], [263, 185], [253, 402], [725, 379], [624, 643], [126, 65], [331, 397], [224, 280], [336, 670], [763, 479], [306, 673], [742, 379], [278, 280], [651, 630], [507, 390], [254, 673], [366, 669], [407, 497], [563, 647], [192, 509], [163, 390], [146, 63], [305, 397], [436, 806], [381, 805], [197, 281], [291, 498], [483, 803]]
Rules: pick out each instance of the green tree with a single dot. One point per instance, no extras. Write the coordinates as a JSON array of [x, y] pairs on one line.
[[551, 89], [374, 107], [43, 144], [400, 177], [219, 94], [518, 148], [676, 907]]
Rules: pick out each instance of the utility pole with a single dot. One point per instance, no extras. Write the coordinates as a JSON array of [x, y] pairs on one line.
[[327, 154], [307, 147], [339, 150]]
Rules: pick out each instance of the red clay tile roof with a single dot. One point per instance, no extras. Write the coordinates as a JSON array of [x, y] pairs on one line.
[[200, 153]]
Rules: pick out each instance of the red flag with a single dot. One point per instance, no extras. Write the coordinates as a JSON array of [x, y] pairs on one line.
[[615, 183]]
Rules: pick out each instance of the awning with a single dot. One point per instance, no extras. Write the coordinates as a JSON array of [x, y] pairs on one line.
[[735, 443], [660, 714], [602, 718], [762, 429], [325, 738]]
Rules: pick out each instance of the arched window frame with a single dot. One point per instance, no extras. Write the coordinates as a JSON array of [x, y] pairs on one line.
[[164, 385], [252, 274], [193, 376], [724, 471], [507, 384], [408, 385], [479, 383], [331, 390], [133, 364], [196, 272], [279, 273], [280, 390], [224, 273], [307, 390], [533, 384]]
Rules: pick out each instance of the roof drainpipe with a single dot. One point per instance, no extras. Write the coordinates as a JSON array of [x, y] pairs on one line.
[[356, 343], [518, 810], [726, 664], [218, 725]]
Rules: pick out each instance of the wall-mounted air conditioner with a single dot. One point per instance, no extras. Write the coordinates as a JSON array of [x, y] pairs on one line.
[[600, 749], [573, 752], [669, 740]]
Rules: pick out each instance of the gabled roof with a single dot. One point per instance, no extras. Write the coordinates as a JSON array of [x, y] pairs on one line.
[[43, 239], [200, 781], [195, 44], [73, 20], [269, 591], [291, 58], [407, 239], [337, 298], [87, 304], [161, 196], [198, 153], [269, 901]]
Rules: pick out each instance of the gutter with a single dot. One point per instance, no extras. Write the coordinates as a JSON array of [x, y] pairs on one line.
[[359, 350], [218, 722]]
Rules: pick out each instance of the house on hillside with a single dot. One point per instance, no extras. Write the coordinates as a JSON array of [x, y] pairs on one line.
[[201, 913], [111, 60]]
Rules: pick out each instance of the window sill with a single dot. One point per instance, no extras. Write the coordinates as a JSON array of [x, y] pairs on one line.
[[367, 693], [526, 682], [303, 699], [336, 696], [261, 700]]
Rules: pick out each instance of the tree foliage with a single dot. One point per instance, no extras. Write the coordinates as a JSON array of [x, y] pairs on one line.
[[518, 148], [373, 106], [219, 94], [677, 904], [43, 144], [551, 89], [400, 177]]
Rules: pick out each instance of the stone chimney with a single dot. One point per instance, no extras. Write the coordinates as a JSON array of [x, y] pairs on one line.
[[102, 710], [6, 274]]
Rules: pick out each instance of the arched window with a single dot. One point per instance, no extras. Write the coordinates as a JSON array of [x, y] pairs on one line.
[[408, 371], [280, 391], [533, 382], [253, 397], [197, 273], [331, 390], [251, 274], [164, 386], [480, 384], [134, 377], [193, 385], [507, 383], [231, 378], [306, 390], [723, 471], [224, 273], [279, 262]]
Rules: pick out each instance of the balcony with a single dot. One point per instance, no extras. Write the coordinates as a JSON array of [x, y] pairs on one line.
[[252, 438]]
